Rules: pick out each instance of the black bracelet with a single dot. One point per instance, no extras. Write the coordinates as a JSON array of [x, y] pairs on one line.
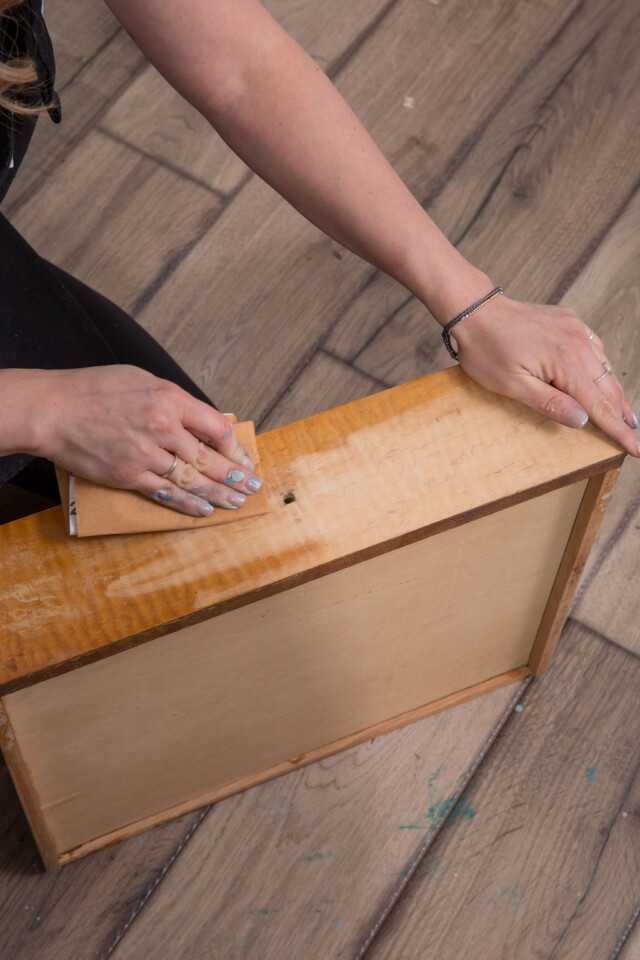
[[461, 316]]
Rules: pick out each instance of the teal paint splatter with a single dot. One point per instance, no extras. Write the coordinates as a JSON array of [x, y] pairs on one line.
[[264, 911], [337, 925], [519, 708], [316, 856], [591, 776], [434, 776], [464, 810]]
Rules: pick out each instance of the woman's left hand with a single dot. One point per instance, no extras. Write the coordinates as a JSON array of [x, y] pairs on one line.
[[548, 358]]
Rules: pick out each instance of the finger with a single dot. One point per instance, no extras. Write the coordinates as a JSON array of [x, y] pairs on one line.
[[223, 483], [216, 430], [169, 495], [627, 412], [550, 401], [210, 463]]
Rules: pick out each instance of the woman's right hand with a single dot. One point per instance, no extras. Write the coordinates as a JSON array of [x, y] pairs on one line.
[[120, 426]]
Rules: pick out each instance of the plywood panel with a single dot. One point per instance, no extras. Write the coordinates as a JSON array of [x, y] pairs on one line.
[[272, 680], [300, 866], [366, 477], [541, 858]]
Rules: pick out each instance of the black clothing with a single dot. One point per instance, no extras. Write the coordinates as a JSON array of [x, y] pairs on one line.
[[48, 319], [23, 33]]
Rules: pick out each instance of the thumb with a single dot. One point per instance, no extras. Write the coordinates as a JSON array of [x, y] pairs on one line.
[[551, 402]]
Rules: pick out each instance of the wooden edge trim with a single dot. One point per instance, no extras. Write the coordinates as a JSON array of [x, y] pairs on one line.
[[319, 753], [23, 782], [296, 579], [588, 519]]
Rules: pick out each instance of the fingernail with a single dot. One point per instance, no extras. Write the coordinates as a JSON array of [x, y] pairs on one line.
[[248, 463], [576, 418], [204, 508], [253, 484], [237, 500], [234, 476], [636, 422]]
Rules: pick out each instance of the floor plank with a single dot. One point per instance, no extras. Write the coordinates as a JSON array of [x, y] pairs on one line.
[[630, 948], [83, 101], [611, 604], [551, 823], [109, 193], [294, 270], [324, 383], [78, 912], [153, 117], [298, 866], [529, 229], [93, 27]]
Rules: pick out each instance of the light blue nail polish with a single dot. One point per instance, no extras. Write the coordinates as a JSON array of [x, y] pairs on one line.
[[237, 500], [635, 420], [234, 476], [206, 509], [254, 484]]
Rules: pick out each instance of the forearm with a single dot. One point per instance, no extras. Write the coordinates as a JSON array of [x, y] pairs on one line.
[[280, 113], [20, 391]]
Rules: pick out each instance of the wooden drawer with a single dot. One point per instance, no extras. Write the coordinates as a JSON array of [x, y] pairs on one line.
[[423, 547]]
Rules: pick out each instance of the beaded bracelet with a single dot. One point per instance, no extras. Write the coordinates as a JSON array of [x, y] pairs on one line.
[[461, 316]]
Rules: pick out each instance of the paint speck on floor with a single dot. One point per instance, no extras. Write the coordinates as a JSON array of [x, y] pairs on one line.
[[337, 925], [591, 776], [519, 708]]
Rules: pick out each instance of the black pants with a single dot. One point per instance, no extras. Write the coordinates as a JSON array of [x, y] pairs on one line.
[[49, 320]]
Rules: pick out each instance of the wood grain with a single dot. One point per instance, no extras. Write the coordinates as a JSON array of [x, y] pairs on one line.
[[324, 382], [299, 866], [153, 117], [461, 452], [588, 519], [96, 191], [546, 826], [519, 171], [295, 271], [80, 911], [289, 674]]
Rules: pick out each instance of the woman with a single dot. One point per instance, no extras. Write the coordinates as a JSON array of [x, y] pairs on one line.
[[104, 400]]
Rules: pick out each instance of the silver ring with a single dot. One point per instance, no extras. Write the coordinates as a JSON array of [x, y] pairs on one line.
[[172, 467], [607, 371]]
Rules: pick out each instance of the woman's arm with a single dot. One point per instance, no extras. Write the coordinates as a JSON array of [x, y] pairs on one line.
[[279, 112]]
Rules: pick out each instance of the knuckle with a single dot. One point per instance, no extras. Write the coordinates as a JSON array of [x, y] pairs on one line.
[[203, 457], [187, 476], [553, 407]]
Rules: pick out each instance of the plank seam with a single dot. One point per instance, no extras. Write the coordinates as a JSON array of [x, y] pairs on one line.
[[431, 836], [172, 264], [348, 363], [606, 550], [625, 934], [160, 161], [341, 61], [610, 827], [153, 884], [605, 638], [581, 262], [94, 56]]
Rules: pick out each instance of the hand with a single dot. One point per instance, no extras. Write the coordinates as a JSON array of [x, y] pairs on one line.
[[544, 357], [122, 427]]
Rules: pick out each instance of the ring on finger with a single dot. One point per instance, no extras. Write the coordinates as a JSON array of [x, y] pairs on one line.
[[607, 370], [591, 335], [172, 467]]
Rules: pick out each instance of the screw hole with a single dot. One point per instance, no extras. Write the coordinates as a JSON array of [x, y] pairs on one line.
[[288, 497]]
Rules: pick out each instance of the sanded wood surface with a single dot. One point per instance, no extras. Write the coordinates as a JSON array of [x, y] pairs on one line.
[[551, 826], [299, 866], [328, 658], [449, 464]]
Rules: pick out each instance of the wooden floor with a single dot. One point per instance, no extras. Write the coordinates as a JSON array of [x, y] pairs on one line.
[[508, 827]]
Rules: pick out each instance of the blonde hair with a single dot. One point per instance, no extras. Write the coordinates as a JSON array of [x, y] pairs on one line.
[[17, 75]]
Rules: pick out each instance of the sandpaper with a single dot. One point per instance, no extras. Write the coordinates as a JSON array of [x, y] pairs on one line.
[[91, 509]]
